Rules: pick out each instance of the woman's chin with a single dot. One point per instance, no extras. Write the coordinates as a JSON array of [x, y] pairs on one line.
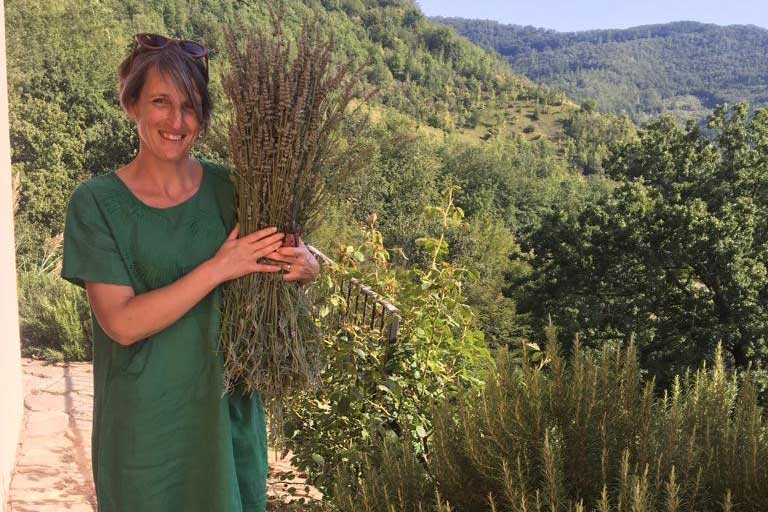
[[171, 154]]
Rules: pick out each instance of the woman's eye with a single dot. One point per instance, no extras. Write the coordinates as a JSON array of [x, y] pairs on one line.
[[160, 101]]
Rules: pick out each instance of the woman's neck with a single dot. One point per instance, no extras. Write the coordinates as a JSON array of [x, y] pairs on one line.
[[161, 181]]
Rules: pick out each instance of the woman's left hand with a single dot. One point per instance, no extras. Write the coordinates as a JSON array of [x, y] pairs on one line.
[[298, 263]]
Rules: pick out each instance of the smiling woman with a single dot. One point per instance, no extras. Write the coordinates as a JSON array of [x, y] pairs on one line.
[[149, 243], [167, 124]]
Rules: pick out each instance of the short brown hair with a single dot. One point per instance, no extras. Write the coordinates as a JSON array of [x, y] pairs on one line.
[[187, 73]]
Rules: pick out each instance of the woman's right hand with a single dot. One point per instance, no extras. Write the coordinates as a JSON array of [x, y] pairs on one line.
[[240, 256]]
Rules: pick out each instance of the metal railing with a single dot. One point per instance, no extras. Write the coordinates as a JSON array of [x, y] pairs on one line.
[[364, 306]]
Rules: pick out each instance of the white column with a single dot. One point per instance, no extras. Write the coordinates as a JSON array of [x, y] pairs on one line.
[[11, 395]]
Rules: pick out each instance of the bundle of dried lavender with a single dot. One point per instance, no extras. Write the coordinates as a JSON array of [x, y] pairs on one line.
[[287, 107]]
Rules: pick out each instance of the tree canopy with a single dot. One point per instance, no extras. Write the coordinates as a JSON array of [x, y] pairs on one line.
[[676, 255]]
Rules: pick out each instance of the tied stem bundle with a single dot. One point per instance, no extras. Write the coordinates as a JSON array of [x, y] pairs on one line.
[[287, 106]]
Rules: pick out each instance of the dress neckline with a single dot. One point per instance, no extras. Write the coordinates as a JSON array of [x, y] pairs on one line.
[[127, 189]]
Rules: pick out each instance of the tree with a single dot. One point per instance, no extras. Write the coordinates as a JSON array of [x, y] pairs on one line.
[[65, 123], [676, 256], [593, 136]]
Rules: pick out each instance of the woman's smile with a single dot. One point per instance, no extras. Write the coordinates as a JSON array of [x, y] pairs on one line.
[[173, 137]]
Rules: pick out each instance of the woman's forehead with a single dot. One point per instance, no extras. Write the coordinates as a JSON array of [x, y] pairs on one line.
[[157, 82]]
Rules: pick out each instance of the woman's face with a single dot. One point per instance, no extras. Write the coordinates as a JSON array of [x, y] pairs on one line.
[[165, 118]]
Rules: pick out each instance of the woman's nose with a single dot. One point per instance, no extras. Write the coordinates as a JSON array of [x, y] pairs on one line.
[[176, 118]]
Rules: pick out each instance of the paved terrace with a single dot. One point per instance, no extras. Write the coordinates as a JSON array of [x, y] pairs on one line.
[[53, 466]]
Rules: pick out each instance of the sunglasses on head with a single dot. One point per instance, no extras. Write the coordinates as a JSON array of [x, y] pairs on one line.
[[154, 42]]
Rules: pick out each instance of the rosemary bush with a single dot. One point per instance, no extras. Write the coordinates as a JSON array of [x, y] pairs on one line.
[[585, 434], [287, 105]]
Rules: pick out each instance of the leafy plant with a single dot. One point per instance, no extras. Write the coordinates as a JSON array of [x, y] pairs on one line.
[[371, 387], [54, 316]]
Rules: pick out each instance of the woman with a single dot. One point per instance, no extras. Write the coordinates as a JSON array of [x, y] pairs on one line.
[[149, 243]]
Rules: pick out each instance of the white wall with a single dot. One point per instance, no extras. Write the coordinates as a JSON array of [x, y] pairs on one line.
[[11, 397]]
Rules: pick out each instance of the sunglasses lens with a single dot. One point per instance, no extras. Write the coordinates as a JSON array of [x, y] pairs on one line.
[[192, 48], [152, 40]]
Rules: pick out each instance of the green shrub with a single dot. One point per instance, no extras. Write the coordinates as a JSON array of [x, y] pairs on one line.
[[373, 388], [583, 434], [54, 315]]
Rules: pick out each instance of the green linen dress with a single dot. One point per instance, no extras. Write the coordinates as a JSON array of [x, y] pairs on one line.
[[165, 438]]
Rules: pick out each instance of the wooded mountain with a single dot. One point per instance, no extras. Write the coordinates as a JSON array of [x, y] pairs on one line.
[[684, 68]]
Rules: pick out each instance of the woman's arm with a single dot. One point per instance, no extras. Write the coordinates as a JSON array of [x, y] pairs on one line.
[[127, 318]]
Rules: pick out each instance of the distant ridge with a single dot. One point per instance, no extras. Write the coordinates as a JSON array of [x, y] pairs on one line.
[[684, 68]]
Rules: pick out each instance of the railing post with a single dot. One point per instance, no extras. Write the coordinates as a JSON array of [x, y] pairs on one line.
[[388, 311]]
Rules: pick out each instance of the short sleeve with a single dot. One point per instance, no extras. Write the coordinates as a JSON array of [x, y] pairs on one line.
[[90, 250]]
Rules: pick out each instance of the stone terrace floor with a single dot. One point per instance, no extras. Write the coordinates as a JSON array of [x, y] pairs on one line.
[[53, 465]]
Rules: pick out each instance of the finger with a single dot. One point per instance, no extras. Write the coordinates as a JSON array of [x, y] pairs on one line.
[[262, 249], [276, 256], [262, 267], [260, 244], [258, 235], [300, 253], [292, 251], [295, 272], [234, 232], [266, 250]]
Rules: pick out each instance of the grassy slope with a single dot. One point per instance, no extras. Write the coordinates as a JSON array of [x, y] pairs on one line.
[[506, 106]]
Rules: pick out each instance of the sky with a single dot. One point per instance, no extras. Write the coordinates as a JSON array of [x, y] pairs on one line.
[[574, 15]]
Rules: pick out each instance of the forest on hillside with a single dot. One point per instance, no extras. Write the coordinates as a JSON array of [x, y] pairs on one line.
[[582, 300], [685, 68]]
